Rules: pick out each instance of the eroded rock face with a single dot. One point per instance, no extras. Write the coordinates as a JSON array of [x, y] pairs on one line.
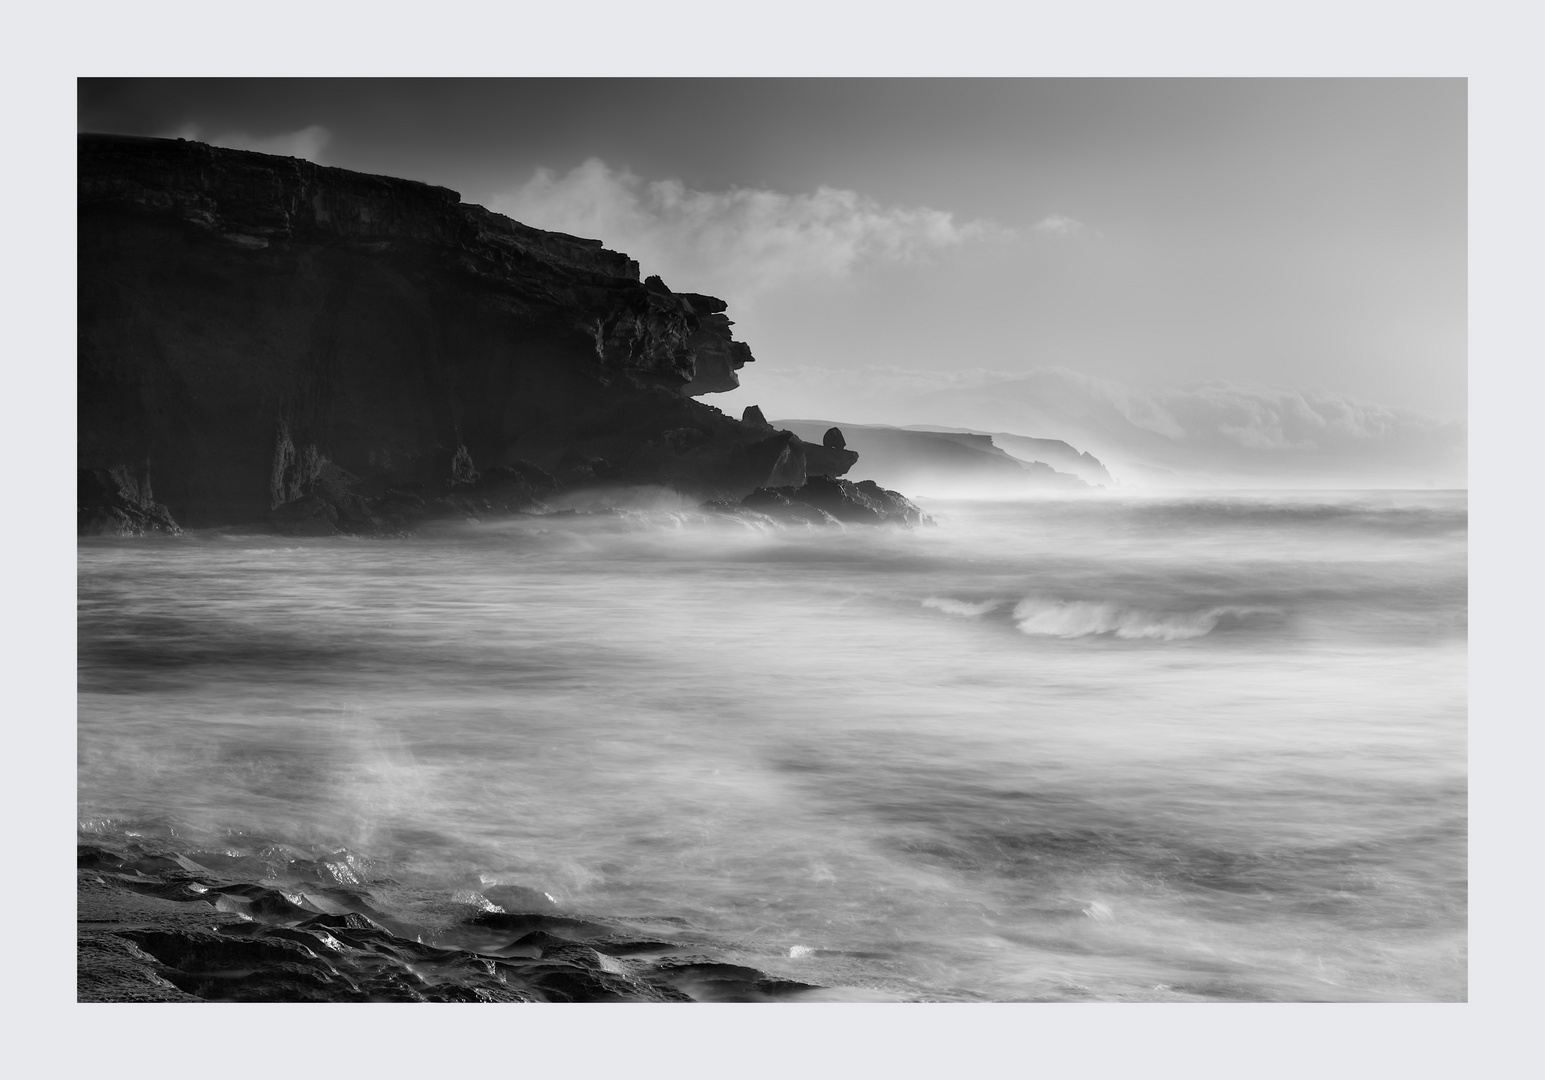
[[718, 355], [823, 499], [117, 501], [264, 331], [828, 461]]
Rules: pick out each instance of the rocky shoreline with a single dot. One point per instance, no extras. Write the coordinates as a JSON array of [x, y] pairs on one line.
[[155, 924], [110, 505]]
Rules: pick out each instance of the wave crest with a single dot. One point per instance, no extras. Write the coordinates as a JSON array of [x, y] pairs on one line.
[[1076, 618], [960, 607]]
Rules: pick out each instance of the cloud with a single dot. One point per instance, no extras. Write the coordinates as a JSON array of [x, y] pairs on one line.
[[738, 242], [308, 142], [1220, 427], [1253, 417], [1059, 225]]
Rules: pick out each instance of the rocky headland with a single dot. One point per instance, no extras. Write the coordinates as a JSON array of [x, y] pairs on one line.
[[266, 342]]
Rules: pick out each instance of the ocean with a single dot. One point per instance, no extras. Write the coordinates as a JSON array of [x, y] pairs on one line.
[[1103, 747]]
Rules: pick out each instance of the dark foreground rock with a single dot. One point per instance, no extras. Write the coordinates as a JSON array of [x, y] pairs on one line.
[[332, 509], [154, 926], [823, 500]]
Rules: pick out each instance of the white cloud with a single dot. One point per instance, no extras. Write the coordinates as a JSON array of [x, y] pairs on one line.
[[308, 142], [1060, 225], [1255, 417], [733, 243]]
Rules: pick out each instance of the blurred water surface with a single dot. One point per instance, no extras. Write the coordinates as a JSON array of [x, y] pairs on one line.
[[1089, 748]]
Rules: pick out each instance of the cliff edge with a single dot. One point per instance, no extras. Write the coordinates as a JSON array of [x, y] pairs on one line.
[[269, 340]]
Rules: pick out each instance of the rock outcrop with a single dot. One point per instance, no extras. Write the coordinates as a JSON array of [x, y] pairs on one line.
[[118, 502], [824, 500], [277, 342], [156, 925]]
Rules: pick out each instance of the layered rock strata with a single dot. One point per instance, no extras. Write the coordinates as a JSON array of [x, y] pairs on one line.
[[277, 342]]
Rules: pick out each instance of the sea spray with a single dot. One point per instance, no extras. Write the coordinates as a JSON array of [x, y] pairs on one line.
[[1228, 761]]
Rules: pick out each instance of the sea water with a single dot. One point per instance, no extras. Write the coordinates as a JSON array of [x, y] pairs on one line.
[[1087, 748]]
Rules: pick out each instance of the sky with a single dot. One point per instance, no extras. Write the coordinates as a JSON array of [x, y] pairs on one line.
[[1251, 264]]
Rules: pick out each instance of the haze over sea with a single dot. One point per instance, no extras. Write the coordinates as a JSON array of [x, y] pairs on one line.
[[1107, 747]]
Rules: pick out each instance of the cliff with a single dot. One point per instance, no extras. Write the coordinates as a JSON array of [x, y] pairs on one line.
[[264, 339], [1053, 453]]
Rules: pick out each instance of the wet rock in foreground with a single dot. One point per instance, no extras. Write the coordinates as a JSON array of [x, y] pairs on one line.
[[156, 925]]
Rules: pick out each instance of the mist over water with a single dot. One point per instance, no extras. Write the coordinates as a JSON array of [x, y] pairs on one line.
[[1082, 748]]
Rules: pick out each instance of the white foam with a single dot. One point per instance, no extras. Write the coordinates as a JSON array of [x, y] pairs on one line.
[[610, 964], [477, 900], [1078, 618], [960, 607]]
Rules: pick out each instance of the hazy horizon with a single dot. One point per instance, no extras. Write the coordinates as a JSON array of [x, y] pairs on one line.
[[1193, 435], [1226, 276]]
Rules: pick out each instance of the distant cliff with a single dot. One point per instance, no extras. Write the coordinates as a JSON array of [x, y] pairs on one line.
[[950, 461], [266, 339]]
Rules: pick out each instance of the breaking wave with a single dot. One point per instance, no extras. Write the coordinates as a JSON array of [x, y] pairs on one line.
[[1053, 750], [1075, 618], [959, 607]]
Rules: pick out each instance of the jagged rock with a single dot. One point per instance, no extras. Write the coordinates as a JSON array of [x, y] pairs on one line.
[[833, 439], [718, 355], [166, 927], [780, 505], [863, 503], [753, 415], [828, 461], [117, 501]]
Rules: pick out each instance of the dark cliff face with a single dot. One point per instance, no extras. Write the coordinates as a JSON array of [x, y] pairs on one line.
[[255, 329]]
